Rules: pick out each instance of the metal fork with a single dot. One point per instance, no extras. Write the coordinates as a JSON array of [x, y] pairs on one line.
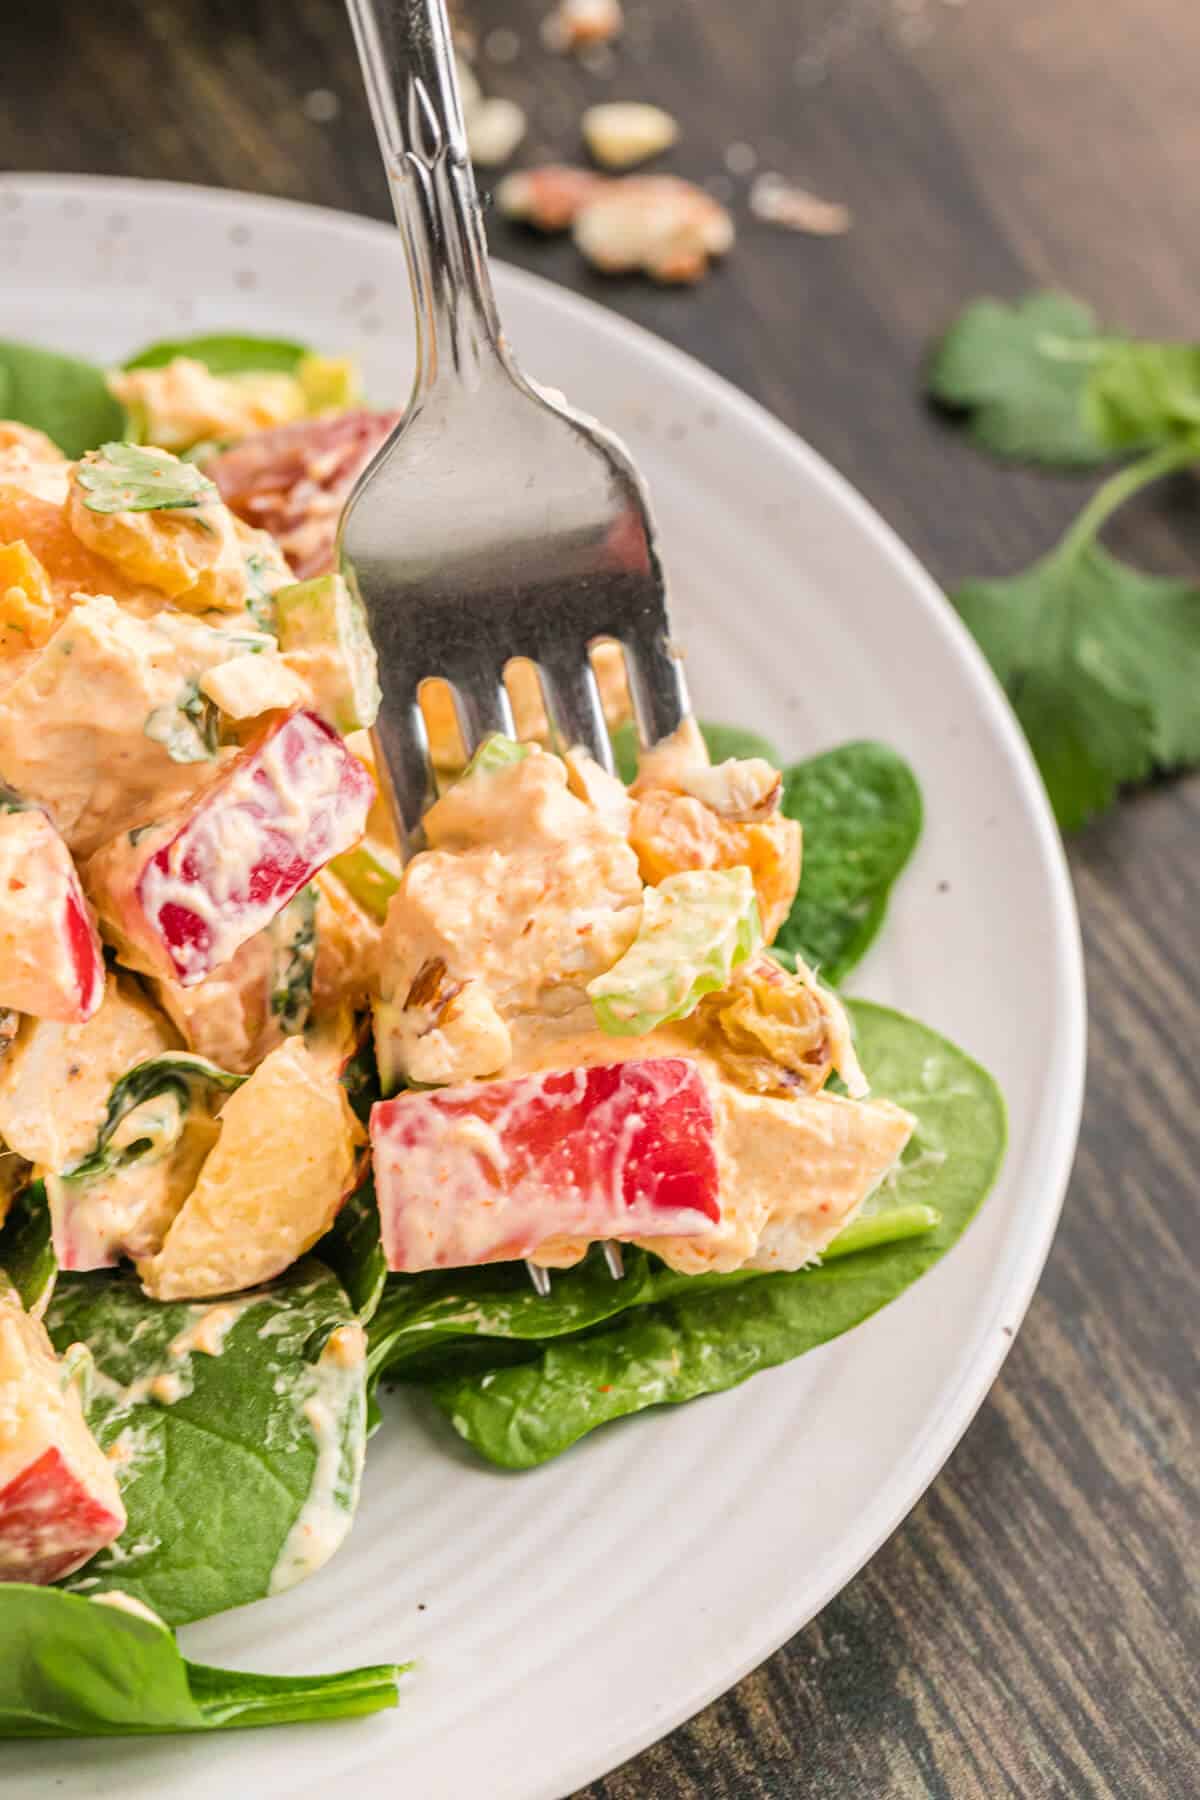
[[496, 522]]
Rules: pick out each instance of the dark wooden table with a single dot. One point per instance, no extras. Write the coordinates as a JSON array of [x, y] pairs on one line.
[[1032, 1629]]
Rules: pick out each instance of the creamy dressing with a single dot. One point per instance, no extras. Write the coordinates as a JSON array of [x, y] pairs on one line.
[[328, 1509]]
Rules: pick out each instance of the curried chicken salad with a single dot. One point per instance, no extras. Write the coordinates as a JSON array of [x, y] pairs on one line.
[[284, 1116]]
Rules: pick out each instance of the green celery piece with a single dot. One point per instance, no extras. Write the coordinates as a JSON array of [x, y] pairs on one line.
[[63, 396], [870, 1230], [329, 383], [1020, 375], [1101, 662], [26, 1249], [708, 1333], [860, 808], [496, 752], [322, 615], [372, 875], [75, 1667], [696, 928], [224, 1471], [225, 353], [130, 478]]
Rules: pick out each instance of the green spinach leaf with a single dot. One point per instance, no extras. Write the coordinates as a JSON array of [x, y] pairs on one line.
[[177, 1072], [714, 1332], [61, 395], [26, 1249], [860, 807], [225, 353], [80, 1668], [420, 1314], [354, 1252], [238, 1443]]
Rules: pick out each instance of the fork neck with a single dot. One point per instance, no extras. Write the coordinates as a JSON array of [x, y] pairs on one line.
[[407, 58]]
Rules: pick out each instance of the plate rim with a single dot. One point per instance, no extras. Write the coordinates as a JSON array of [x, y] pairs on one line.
[[1027, 1260]]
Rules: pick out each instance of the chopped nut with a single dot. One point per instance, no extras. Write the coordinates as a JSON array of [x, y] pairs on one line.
[[578, 24], [549, 197], [494, 129], [778, 203], [432, 988], [625, 132], [745, 790], [657, 223]]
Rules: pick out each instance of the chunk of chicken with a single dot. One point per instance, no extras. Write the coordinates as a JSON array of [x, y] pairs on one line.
[[525, 893]]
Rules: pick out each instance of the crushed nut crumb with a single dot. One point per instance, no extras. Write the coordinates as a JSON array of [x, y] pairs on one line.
[[779, 203], [624, 132]]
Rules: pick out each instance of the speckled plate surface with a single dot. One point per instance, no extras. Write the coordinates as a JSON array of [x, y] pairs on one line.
[[563, 1619]]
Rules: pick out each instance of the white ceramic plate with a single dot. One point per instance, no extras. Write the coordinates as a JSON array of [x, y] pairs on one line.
[[564, 1619]]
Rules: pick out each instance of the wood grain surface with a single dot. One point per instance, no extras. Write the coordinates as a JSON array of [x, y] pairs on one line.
[[1032, 1630]]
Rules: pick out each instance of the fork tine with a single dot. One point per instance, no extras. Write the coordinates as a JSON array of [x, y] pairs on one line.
[[614, 1261], [483, 707], [405, 761], [656, 682], [573, 704], [540, 1278]]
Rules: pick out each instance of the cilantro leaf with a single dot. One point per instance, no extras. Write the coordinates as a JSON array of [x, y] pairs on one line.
[[1141, 393], [1102, 665], [1020, 374], [189, 728], [129, 478]]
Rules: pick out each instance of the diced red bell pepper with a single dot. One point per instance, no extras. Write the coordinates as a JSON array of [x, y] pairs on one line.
[[50, 1522], [59, 1501], [189, 891], [489, 1170], [51, 964]]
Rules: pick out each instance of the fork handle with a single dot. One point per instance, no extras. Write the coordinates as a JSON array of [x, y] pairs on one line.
[[407, 58]]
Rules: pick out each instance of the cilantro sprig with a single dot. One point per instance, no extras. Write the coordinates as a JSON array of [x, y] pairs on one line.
[[1100, 661], [130, 478], [1041, 382]]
